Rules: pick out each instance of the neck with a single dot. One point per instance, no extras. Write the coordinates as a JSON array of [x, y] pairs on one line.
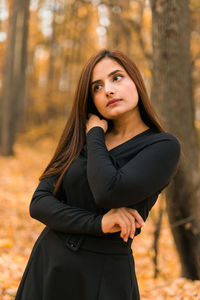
[[128, 124]]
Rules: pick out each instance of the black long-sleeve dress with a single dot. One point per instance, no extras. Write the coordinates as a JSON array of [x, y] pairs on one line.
[[72, 258]]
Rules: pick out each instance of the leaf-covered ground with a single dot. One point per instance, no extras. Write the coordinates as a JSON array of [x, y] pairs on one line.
[[18, 232]]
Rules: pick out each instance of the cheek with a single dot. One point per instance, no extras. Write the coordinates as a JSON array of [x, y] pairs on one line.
[[98, 103], [100, 106], [129, 85], [131, 91]]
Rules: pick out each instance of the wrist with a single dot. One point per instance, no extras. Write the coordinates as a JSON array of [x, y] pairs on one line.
[[103, 225], [93, 128]]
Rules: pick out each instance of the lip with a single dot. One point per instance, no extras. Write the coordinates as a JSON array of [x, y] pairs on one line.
[[113, 101]]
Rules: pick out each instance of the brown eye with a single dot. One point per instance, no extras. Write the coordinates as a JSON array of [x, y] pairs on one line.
[[117, 77], [97, 87]]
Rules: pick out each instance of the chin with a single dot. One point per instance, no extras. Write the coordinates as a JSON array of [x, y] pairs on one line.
[[116, 114]]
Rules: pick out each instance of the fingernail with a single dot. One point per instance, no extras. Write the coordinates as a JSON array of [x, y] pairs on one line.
[[143, 224]]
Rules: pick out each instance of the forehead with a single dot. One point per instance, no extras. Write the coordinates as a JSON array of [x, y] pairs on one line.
[[105, 67]]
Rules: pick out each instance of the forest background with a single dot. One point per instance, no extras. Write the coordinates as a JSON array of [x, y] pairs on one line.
[[43, 46]]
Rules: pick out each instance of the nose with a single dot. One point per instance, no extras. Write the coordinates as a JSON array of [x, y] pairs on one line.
[[109, 89]]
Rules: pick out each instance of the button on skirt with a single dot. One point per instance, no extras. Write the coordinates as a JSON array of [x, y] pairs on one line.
[[55, 272]]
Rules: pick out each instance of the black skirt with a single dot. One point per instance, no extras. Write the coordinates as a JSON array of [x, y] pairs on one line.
[[78, 268]]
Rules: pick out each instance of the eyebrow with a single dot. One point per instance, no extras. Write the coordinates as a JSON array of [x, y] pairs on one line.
[[110, 74]]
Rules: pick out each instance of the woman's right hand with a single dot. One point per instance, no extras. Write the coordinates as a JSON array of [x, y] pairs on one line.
[[122, 219]]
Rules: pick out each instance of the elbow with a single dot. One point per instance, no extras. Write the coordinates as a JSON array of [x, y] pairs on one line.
[[33, 211], [106, 201]]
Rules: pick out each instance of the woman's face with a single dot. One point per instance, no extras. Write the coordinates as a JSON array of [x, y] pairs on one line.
[[114, 92]]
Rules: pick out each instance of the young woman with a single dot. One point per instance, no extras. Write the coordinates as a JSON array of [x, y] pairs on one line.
[[111, 163]]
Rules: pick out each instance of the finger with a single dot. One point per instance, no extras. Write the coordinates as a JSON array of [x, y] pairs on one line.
[[137, 216], [135, 213], [122, 225], [133, 228], [129, 224], [137, 225], [123, 230], [125, 226], [132, 223], [89, 116]]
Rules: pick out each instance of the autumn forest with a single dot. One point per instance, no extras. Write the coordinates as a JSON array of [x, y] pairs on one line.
[[43, 47]]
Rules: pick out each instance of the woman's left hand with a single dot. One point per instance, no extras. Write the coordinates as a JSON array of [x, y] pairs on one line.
[[94, 121]]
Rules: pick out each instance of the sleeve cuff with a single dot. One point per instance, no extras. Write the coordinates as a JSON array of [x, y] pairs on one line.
[[97, 130], [95, 139], [98, 226]]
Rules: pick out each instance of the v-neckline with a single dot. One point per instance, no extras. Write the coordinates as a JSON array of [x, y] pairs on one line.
[[131, 139]]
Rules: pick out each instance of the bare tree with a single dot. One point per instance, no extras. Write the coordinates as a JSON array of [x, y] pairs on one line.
[[14, 76], [172, 95]]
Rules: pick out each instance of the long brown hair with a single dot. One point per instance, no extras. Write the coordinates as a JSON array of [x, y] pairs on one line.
[[73, 137]]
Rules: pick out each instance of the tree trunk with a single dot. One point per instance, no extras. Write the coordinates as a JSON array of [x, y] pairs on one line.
[[172, 96], [14, 76]]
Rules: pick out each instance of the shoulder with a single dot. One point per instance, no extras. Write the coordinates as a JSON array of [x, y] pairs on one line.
[[151, 143], [163, 136], [167, 136], [166, 141]]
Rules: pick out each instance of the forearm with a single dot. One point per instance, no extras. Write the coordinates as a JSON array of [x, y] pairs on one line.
[[145, 174], [59, 216]]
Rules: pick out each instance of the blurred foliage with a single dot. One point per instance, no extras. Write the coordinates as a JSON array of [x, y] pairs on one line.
[[64, 34]]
